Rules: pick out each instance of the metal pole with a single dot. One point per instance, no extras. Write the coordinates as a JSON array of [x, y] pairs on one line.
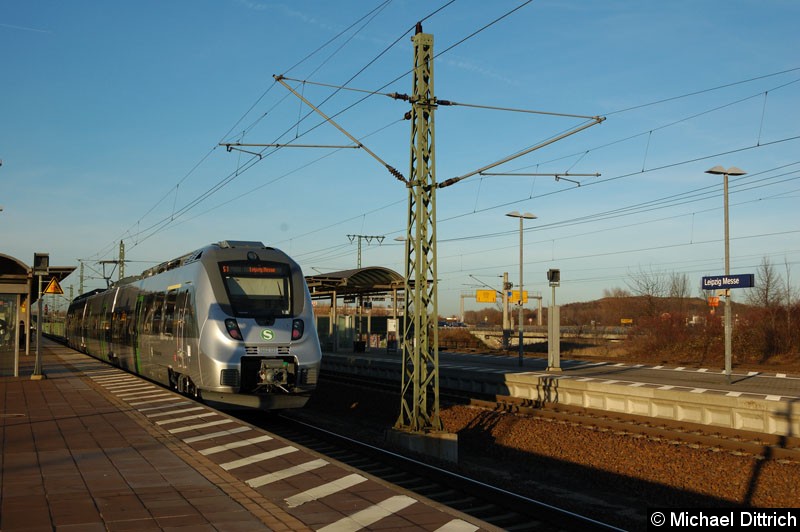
[[37, 366], [554, 326], [520, 294], [121, 260], [419, 408], [506, 324], [521, 217], [719, 170], [728, 332]]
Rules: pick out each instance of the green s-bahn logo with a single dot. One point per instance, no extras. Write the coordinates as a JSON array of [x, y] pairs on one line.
[[267, 334]]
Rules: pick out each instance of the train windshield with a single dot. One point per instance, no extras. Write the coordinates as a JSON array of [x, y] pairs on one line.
[[258, 289]]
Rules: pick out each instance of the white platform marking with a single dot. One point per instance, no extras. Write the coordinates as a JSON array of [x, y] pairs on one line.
[[457, 525], [260, 457], [129, 387], [173, 412], [219, 434], [140, 395], [371, 515], [286, 473], [235, 445], [201, 426], [153, 401], [162, 407], [187, 418], [326, 489]]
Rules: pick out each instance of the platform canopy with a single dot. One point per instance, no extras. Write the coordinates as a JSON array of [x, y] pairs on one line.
[[15, 275], [356, 282]]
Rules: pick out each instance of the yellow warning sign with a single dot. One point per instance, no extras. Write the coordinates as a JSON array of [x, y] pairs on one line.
[[513, 298], [485, 296], [53, 287]]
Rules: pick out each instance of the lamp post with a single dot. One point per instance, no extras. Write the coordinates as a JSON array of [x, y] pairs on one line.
[[718, 170], [525, 216]]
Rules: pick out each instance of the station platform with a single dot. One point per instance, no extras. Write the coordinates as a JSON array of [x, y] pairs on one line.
[[90, 447], [752, 401]]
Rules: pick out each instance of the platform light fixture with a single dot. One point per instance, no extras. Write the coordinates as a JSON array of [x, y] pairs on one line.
[[718, 170], [523, 216]]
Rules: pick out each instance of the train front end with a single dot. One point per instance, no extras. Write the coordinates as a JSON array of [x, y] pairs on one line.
[[260, 342]]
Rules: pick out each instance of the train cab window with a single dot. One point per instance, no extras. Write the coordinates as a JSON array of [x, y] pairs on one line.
[[258, 289]]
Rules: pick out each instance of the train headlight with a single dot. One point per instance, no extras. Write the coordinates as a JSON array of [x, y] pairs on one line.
[[297, 329], [233, 329]]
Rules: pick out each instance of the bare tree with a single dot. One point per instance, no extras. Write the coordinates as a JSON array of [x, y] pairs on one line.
[[616, 292], [650, 285], [768, 294], [679, 288], [768, 291], [790, 297], [678, 285]]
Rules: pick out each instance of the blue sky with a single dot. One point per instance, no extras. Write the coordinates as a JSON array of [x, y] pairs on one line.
[[112, 115]]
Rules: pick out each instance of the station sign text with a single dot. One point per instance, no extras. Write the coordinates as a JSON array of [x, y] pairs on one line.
[[724, 282]]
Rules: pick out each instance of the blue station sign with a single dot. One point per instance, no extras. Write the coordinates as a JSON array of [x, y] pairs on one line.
[[725, 282]]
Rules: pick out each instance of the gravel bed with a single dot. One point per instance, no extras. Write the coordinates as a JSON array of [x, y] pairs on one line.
[[613, 477]]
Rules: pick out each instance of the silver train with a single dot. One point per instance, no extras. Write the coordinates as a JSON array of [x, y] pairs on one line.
[[231, 323]]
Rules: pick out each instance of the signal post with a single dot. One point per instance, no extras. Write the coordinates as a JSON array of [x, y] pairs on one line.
[[554, 326]]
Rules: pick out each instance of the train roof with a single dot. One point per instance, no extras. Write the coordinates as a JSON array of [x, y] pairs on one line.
[[182, 260], [195, 255], [89, 294]]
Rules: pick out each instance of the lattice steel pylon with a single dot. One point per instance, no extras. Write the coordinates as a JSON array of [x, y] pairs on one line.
[[419, 402]]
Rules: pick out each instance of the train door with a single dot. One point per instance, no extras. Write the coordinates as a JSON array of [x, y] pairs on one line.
[[136, 332], [90, 328], [112, 319], [180, 329], [189, 335], [104, 331], [170, 326], [82, 327]]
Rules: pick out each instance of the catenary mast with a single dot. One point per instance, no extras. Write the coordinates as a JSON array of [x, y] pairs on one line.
[[419, 405]]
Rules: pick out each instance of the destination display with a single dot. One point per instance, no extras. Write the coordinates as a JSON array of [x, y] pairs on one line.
[[725, 282], [250, 268]]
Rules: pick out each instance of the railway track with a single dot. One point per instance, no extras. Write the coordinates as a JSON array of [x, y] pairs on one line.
[[767, 446], [605, 465], [761, 445], [498, 507]]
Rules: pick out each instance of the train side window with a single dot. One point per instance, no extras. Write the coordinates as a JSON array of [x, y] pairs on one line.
[[156, 326], [169, 312], [189, 321], [152, 318]]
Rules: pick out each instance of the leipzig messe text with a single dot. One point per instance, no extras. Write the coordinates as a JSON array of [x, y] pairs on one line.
[[728, 281]]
